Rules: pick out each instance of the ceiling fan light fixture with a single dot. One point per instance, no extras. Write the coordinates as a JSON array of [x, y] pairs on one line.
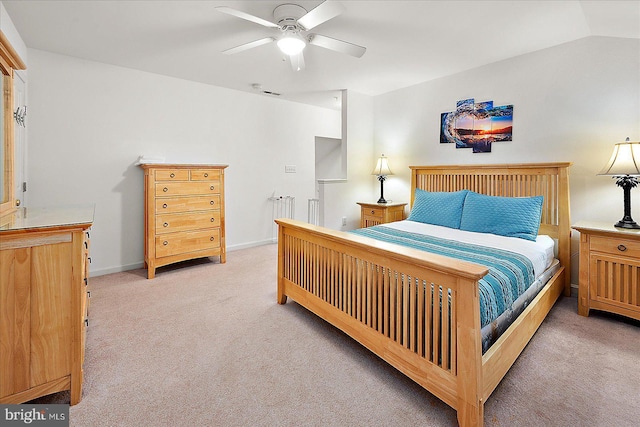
[[291, 43]]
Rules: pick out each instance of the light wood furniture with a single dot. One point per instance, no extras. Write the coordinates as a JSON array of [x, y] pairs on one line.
[[9, 62], [43, 302], [380, 213], [374, 291], [184, 213], [609, 269]]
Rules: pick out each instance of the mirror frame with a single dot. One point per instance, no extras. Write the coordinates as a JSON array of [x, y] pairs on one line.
[[9, 61]]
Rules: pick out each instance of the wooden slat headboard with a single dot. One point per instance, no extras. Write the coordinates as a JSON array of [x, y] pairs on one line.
[[550, 180]]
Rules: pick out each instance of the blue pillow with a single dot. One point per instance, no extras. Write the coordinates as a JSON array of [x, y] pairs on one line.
[[438, 208], [504, 216]]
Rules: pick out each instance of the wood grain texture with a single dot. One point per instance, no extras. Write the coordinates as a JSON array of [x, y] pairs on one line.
[[41, 290], [390, 298], [184, 213], [609, 278]]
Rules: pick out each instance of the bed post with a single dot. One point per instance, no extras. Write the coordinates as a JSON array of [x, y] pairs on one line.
[[470, 406], [564, 226], [281, 297]]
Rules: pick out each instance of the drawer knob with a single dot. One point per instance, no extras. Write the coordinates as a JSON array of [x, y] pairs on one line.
[[212, 187], [622, 248], [206, 175], [165, 189], [372, 212], [166, 224], [211, 202], [164, 205], [211, 238], [165, 243], [173, 175], [213, 219]]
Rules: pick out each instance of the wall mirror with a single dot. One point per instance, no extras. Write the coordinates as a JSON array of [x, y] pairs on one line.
[[9, 61]]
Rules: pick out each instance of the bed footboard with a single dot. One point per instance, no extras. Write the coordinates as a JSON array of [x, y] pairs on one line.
[[419, 312]]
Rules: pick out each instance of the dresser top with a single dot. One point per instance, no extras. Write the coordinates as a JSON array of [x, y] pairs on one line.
[[180, 166], [26, 218]]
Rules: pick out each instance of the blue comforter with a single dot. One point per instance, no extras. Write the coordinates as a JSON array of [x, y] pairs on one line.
[[510, 273]]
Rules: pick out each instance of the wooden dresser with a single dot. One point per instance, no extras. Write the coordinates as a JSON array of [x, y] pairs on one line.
[[609, 269], [43, 301], [184, 213], [380, 213]]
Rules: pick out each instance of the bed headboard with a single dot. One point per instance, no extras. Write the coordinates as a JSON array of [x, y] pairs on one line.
[[550, 180]]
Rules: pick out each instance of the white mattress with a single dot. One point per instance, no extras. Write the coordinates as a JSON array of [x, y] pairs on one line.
[[540, 252]]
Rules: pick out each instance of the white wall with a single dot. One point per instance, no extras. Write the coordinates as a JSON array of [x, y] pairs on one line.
[[329, 158], [340, 197], [10, 31], [572, 102], [89, 122]]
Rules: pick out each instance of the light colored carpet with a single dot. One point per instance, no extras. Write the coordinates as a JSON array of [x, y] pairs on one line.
[[207, 345]]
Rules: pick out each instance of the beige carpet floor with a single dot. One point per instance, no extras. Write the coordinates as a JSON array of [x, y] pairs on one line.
[[206, 344]]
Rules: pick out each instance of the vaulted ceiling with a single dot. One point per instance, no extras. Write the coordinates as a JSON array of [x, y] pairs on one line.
[[407, 42]]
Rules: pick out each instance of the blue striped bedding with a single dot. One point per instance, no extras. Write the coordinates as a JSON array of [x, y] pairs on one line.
[[510, 273]]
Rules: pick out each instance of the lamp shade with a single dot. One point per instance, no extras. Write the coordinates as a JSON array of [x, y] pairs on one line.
[[382, 167], [625, 160]]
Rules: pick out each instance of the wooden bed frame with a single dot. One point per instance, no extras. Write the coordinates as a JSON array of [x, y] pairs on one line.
[[375, 291]]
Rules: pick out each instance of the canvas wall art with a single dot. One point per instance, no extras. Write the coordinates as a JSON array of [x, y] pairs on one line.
[[476, 125]]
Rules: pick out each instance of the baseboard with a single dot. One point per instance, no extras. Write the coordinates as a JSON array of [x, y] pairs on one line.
[[250, 245], [118, 269], [137, 265]]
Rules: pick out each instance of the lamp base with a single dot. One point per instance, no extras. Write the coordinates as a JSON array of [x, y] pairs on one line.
[[381, 200], [626, 223]]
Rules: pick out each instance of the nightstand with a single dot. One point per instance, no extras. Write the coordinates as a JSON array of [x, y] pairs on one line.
[[609, 277], [380, 213]]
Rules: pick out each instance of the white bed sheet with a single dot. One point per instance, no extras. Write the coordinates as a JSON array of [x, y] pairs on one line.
[[541, 252]]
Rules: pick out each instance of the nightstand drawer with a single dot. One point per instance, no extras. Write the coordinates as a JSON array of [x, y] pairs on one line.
[[373, 212], [615, 246]]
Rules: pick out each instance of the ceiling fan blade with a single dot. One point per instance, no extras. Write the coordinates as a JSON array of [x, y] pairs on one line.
[[249, 45], [320, 14], [337, 45], [248, 17], [297, 62]]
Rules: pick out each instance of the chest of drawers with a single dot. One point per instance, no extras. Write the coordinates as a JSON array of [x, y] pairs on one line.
[[184, 213], [44, 302]]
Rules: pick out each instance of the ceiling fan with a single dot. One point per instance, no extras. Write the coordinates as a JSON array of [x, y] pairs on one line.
[[293, 22]]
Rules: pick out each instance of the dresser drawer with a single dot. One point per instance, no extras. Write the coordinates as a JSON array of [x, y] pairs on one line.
[[188, 241], [187, 188], [187, 204], [172, 175], [192, 221], [615, 246], [205, 175]]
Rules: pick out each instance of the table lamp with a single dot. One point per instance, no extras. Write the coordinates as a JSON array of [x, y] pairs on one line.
[[624, 167], [382, 170]]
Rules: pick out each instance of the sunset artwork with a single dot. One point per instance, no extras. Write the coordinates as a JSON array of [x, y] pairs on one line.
[[476, 125]]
